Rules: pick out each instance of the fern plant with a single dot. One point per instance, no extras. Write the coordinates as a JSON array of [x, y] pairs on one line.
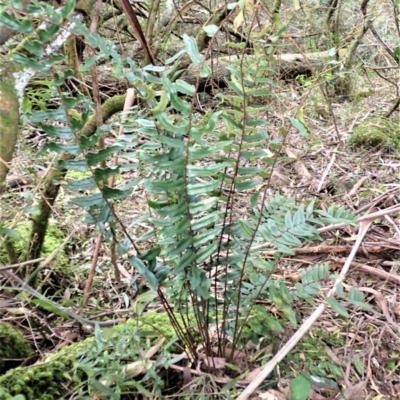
[[203, 244], [210, 211]]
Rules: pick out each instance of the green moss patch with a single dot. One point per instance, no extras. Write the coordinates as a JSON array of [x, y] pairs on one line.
[[378, 133], [53, 240], [13, 346]]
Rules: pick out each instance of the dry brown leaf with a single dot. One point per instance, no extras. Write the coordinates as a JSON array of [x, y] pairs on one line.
[[136, 368], [284, 387], [313, 395], [153, 350], [253, 374], [187, 378], [123, 271], [238, 21], [214, 362], [272, 395], [356, 392]]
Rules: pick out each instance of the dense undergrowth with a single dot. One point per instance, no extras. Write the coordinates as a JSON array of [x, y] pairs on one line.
[[199, 244]]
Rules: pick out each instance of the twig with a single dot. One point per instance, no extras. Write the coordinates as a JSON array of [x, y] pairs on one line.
[[62, 310], [325, 249], [357, 186], [373, 271], [326, 172], [22, 264]]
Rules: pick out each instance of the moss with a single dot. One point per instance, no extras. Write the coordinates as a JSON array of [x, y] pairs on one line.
[[362, 93], [343, 86], [13, 346], [51, 377], [376, 133], [53, 240], [44, 381], [78, 175]]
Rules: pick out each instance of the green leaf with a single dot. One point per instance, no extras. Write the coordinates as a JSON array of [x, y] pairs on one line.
[[143, 300], [249, 171], [181, 246], [206, 170], [275, 296], [285, 294], [208, 235], [273, 228], [184, 87], [262, 264], [205, 71], [205, 221], [199, 282], [211, 30], [34, 47], [191, 48], [73, 165], [197, 153], [355, 295], [72, 148], [288, 220], [246, 184], [247, 228], [289, 314], [359, 365], [141, 268], [396, 52], [254, 199], [206, 252], [273, 324], [300, 388], [24, 26], [187, 259], [101, 174], [337, 307], [89, 201], [11, 233], [67, 8], [163, 186], [104, 390], [290, 240], [63, 133], [48, 33], [202, 187], [204, 205], [170, 60], [112, 193], [94, 158], [82, 184], [299, 126], [58, 114], [260, 92], [180, 129], [141, 389], [44, 303]]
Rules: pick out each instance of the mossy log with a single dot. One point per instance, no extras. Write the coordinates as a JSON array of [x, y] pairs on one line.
[[56, 374], [285, 66]]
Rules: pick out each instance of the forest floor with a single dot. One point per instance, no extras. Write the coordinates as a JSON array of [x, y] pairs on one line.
[[322, 167]]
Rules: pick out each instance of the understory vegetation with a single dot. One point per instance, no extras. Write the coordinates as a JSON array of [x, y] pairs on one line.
[[199, 200]]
